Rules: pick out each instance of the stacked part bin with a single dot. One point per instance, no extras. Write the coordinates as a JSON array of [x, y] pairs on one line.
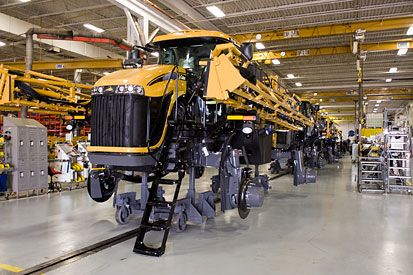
[[28, 154]]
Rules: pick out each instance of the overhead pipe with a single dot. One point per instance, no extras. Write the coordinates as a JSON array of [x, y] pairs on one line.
[[59, 34]]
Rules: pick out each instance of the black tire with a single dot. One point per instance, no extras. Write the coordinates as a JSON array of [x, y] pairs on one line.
[[107, 189], [178, 223], [122, 214], [199, 172]]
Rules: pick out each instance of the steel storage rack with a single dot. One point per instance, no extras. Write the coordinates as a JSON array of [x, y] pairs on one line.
[[397, 151]]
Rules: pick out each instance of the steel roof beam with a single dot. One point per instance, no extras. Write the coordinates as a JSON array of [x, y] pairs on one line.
[[142, 9], [71, 11], [375, 47], [180, 7], [19, 27], [346, 28]]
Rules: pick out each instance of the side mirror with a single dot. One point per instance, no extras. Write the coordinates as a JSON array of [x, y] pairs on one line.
[[247, 50]]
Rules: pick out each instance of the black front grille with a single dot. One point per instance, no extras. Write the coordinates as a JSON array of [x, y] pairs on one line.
[[119, 120]]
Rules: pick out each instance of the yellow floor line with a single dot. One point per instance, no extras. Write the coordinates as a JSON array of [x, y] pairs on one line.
[[11, 268]]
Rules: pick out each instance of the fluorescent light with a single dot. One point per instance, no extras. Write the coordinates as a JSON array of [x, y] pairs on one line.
[[378, 101], [321, 100], [106, 73], [410, 31], [393, 70], [259, 46], [298, 84], [388, 80], [276, 62], [376, 105], [93, 28], [402, 52], [290, 76], [374, 111], [258, 36], [215, 11], [156, 54], [2, 44], [25, 1], [315, 94]]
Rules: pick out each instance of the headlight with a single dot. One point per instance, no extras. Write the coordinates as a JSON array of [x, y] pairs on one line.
[[130, 89], [97, 90], [121, 89]]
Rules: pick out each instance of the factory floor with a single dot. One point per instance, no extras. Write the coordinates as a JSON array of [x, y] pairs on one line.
[[321, 228]]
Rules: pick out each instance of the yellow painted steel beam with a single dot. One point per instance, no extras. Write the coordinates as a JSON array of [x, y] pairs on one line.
[[374, 25], [355, 98], [38, 111], [310, 95], [70, 64], [267, 56]]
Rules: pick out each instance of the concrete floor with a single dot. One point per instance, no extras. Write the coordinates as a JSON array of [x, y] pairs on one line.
[[322, 228]]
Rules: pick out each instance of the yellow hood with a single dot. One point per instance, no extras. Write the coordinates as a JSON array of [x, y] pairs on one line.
[[149, 77]]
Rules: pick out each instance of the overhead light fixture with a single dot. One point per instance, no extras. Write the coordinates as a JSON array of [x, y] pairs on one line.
[[259, 46], [156, 54], [258, 36], [378, 101], [2, 44], [410, 31], [374, 111], [93, 28], [106, 73], [321, 100], [298, 84], [376, 105], [402, 52], [315, 94], [282, 53], [388, 80], [217, 12], [393, 70], [25, 1], [290, 76], [276, 62]]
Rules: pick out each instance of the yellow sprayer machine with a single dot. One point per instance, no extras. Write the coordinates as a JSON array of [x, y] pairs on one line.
[[205, 104]]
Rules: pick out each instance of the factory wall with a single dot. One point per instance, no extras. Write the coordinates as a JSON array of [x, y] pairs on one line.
[[346, 127]]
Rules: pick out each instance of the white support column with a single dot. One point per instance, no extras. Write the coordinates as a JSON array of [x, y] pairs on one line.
[[144, 23], [133, 36]]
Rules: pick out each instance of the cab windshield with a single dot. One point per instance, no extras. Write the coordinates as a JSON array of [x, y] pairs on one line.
[[191, 53]]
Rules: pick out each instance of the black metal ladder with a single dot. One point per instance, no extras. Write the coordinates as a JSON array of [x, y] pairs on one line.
[[159, 225]]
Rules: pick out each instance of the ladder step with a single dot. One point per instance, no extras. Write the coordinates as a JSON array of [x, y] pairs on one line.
[[399, 177], [161, 203], [165, 181], [398, 159], [141, 248], [372, 172], [372, 180], [369, 162], [157, 226], [398, 151], [400, 168]]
